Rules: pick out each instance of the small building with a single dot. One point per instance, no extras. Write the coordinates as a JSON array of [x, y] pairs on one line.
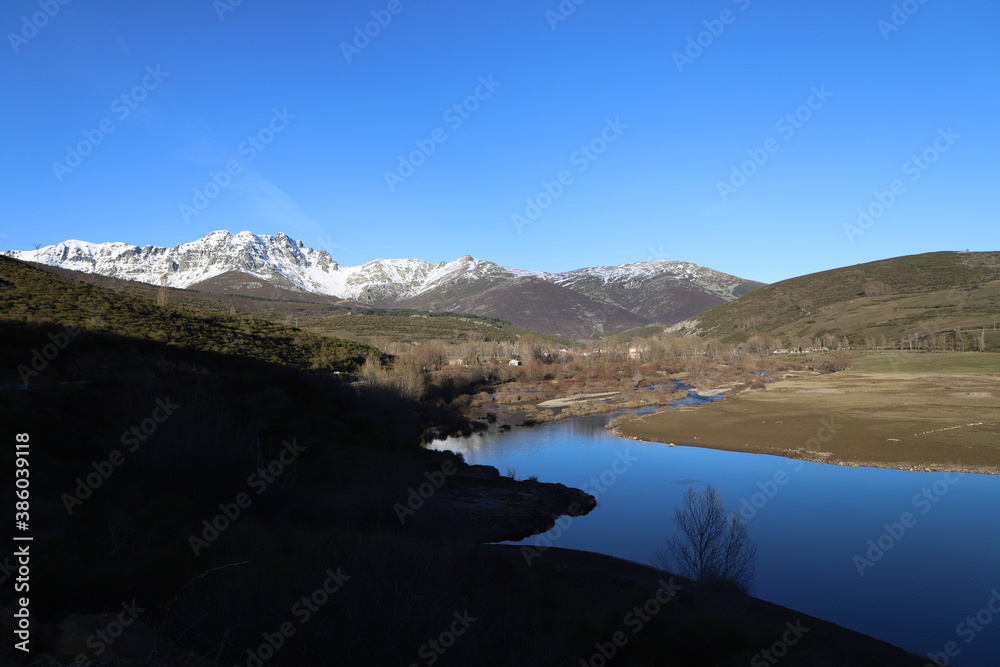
[[514, 362]]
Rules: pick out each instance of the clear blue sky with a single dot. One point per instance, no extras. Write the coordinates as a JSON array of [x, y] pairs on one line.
[[673, 129]]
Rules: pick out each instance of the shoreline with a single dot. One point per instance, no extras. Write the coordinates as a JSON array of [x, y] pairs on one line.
[[818, 457], [919, 419], [589, 404]]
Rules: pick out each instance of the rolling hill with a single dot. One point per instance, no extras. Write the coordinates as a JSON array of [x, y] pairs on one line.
[[903, 298], [30, 296]]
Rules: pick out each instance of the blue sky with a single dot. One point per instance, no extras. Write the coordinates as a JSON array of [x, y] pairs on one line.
[[618, 132]]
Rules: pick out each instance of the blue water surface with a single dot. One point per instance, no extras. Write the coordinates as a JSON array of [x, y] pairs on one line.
[[933, 559]]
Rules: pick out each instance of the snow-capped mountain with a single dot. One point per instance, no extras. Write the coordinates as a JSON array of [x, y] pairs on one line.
[[277, 259], [637, 274], [603, 299]]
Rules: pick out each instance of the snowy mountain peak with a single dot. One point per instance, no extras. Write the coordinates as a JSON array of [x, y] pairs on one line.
[[189, 263], [288, 263]]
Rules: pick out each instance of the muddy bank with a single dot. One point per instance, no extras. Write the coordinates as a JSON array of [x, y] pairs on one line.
[[901, 421]]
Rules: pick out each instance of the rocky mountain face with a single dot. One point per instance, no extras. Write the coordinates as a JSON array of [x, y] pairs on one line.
[[574, 304]]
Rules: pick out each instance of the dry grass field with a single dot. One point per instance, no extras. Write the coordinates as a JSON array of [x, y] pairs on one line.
[[901, 410]]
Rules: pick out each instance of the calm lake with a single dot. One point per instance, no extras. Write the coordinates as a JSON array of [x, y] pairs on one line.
[[907, 557]]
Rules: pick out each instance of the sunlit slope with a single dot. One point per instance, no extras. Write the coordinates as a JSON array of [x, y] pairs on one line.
[[913, 295]]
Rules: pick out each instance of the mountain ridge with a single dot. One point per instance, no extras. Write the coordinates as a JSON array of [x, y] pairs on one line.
[[590, 301]]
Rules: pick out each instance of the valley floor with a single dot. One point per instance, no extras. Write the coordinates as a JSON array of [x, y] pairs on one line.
[[911, 411]]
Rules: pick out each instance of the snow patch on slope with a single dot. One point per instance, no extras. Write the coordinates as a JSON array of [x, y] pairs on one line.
[[270, 257]]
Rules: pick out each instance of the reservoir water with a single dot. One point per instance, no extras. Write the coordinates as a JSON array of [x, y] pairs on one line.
[[912, 558]]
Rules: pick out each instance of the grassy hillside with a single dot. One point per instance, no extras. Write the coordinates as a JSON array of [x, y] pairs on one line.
[[323, 314], [914, 295], [32, 296], [747, 287]]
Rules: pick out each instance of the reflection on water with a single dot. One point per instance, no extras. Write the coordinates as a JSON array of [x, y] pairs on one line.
[[693, 397], [811, 522]]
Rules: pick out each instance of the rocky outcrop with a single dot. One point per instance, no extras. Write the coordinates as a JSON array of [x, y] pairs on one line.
[[493, 508]]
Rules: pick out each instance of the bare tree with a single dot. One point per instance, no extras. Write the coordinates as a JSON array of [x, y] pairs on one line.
[[840, 360], [961, 343], [163, 295], [372, 372], [877, 288], [637, 379], [711, 546]]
